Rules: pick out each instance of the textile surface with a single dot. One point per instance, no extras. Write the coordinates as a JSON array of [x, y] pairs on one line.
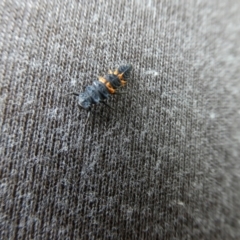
[[164, 164]]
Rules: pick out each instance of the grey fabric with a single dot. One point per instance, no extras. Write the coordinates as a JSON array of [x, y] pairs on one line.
[[164, 164]]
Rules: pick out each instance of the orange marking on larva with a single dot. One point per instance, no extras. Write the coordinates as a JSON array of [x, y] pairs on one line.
[[123, 82], [116, 72], [102, 79], [107, 84], [120, 76], [110, 88]]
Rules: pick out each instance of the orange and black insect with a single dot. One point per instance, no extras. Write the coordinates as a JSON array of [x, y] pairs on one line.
[[102, 89]]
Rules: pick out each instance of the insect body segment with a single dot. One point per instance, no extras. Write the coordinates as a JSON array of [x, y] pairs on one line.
[[101, 90]]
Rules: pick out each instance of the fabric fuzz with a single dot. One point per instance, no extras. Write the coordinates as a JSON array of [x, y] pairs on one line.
[[164, 164]]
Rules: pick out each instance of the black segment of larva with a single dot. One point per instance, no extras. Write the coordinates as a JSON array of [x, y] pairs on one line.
[[114, 80], [102, 89], [125, 69]]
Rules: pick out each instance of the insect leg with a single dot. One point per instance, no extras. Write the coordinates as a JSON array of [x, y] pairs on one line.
[[71, 93], [88, 115]]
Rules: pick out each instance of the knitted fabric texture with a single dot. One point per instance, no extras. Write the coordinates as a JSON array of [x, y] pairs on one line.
[[164, 164]]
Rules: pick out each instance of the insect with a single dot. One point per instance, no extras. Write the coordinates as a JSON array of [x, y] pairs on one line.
[[102, 89]]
